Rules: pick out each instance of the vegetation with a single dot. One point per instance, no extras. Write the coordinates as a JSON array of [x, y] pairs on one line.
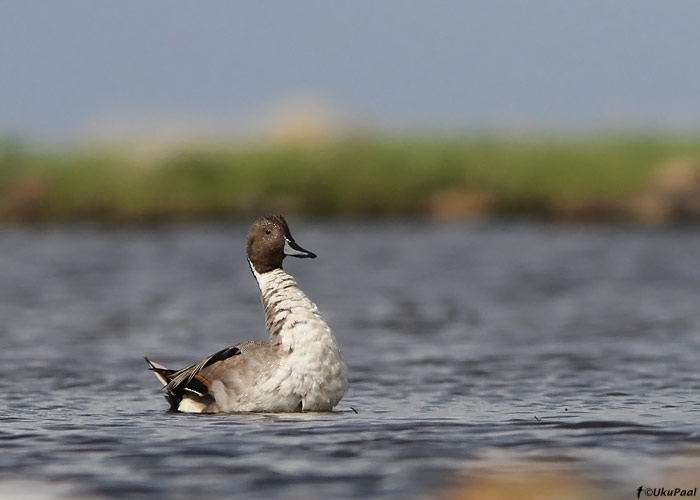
[[594, 178]]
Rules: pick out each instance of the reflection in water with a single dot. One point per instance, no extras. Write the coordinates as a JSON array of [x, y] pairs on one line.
[[474, 351]]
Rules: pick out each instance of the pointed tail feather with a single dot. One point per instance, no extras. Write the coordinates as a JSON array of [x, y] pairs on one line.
[[178, 383], [162, 373]]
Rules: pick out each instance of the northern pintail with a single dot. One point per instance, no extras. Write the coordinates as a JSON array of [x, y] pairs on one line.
[[299, 369]]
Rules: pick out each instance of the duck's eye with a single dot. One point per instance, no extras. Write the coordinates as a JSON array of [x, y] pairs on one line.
[[267, 231]]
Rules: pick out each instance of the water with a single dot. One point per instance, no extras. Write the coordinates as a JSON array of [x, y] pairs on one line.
[[472, 349]]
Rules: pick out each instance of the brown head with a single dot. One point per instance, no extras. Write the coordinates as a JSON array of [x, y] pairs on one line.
[[269, 242]]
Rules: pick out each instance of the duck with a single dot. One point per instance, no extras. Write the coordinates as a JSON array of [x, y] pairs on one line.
[[299, 368]]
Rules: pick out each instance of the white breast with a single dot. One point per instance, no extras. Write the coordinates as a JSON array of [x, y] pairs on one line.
[[314, 368]]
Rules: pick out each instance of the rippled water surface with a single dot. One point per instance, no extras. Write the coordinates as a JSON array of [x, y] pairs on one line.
[[470, 348]]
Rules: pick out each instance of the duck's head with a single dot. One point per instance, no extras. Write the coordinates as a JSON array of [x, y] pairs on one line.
[[269, 242]]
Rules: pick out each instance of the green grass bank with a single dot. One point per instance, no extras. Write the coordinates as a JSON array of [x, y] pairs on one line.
[[592, 178]]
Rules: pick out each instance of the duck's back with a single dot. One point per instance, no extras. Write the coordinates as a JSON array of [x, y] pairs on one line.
[[242, 383]]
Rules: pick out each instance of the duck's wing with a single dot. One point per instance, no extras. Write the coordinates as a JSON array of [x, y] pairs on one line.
[[188, 381]]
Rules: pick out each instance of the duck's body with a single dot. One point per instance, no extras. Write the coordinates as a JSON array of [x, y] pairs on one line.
[[299, 368]]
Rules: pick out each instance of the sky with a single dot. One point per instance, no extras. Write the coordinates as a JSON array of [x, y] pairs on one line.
[[82, 69]]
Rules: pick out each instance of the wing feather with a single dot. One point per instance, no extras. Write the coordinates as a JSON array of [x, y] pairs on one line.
[[187, 380]]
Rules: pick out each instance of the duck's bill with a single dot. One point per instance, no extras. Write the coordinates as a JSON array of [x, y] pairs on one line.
[[292, 249]]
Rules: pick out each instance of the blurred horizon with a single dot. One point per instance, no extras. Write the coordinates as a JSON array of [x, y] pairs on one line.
[[170, 110], [79, 72]]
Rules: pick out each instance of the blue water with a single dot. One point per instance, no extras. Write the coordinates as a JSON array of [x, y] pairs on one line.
[[472, 348]]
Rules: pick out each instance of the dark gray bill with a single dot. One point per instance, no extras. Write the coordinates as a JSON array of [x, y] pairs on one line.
[[291, 249]]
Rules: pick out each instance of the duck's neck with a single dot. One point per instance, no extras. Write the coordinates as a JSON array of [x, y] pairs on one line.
[[289, 314]]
